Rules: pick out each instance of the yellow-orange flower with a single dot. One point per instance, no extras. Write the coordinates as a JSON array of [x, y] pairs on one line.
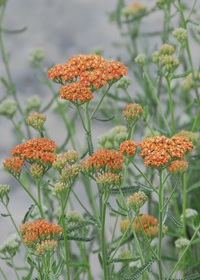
[[149, 224], [178, 166], [13, 163], [36, 148], [76, 90], [158, 150], [37, 231], [128, 148]]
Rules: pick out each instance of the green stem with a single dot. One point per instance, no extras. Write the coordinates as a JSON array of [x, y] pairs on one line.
[[64, 205], [156, 98], [27, 192], [82, 248], [65, 238], [39, 199], [82, 204], [171, 194], [13, 265], [184, 183], [94, 203], [160, 196], [144, 176], [196, 121], [103, 241], [150, 128], [4, 276], [18, 130], [129, 96], [171, 105], [182, 255], [100, 102]]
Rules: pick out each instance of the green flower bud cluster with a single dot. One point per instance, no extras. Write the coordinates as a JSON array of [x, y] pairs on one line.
[[59, 188], [4, 190], [190, 215], [69, 174], [36, 215], [181, 244], [37, 170], [73, 218], [123, 83], [134, 9], [180, 34], [112, 139], [167, 49], [192, 136], [156, 57], [140, 59], [136, 201], [11, 245], [60, 162], [33, 103], [72, 156], [36, 55], [161, 3], [8, 108], [125, 255], [46, 247], [36, 120], [109, 179], [169, 62]]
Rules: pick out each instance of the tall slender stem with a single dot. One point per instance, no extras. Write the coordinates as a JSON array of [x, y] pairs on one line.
[[160, 196], [39, 199], [171, 105], [65, 238], [103, 241]]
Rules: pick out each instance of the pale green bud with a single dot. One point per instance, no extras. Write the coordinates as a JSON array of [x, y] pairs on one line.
[[180, 34], [74, 218], [167, 49], [140, 59], [125, 255], [8, 108], [190, 215], [124, 82], [4, 190], [181, 244], [10, 247], [156, 57], [33, 103], [36, 55]]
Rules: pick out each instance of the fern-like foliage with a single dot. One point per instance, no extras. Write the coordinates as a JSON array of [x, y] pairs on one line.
[[128, 239], [115, 211], [28, 213], [143, 187], [120, 206], [141, 270], [190, 277], [174, 220], [84, 153], [90, 144], [76, 238], [125, 260], [104, 120], [81, 225], [125, 190]]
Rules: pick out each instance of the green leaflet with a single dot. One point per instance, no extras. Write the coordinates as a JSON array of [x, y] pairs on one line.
[[28, 213], [193, 187], [84, 154], [125, 260], [13, 31], [81, 225], [183, 74], [105, 120], [77, 238], [60, 268], [141, 270], [113, 210], [100, 259], [144, 187], [32, 263], [121, 206], [28, 277], [190, 277], [125, 190], [174, 220]]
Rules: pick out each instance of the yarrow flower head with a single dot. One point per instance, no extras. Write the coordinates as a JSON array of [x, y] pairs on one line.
[[149, 224], [36, 55], [36, 120], [158, 150], [59, 162], [181, 244], [124, 224], [8, 108], [69, 174], [140, 59], [112, 139], [169, 62], [103, 161], [178, 167], [73, 218], [132, 113], [37, 170], [84, 74], [59, 188], [156, 57], [45, 247], [33, 103], [35, 232], [136, 201], [38, 150], [125, 255], [4, 190], [192, 136], [134, 9], [167, 49], [109, 179], [190, 216], [9, 247], [123, 83], [72, 156], [128, 148], [180, 34], [13, 165]]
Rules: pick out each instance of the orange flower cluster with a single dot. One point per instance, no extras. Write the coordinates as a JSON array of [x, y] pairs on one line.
[[102, 161], [178, 166], [128, 148], [45, 247], [40, 149], [92, 71], [124, 224], [76, 90], [37, 231], [13, 164], [69, 174], [193, 137], [136, 201], [149, 224], [37, 170], [158, 150], [36, 120], [133, 112]]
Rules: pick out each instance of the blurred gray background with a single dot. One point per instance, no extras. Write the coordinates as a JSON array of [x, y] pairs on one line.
[[63, 29]]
